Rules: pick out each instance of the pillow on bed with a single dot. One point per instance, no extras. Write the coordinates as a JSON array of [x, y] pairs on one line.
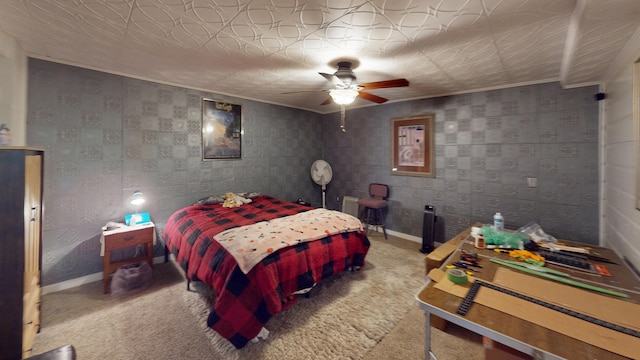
[[249, 195], [219, 199], [209, 200]]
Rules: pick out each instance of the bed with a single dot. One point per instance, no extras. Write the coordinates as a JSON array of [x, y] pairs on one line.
[[246, 301]]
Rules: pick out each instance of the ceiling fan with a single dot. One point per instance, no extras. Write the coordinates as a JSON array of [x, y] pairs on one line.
[[346, 90]]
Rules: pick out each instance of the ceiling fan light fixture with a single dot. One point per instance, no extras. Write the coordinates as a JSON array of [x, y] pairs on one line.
[[343, 96]]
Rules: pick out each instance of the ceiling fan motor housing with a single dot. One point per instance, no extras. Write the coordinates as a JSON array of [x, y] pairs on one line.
[[345, 74]]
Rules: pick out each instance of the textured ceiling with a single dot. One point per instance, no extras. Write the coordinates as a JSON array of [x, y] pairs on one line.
[[258, 49]]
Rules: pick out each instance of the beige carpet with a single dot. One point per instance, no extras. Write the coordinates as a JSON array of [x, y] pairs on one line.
[[369, 314]]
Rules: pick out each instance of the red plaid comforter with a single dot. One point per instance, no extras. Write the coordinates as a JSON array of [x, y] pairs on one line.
[[245, 303]]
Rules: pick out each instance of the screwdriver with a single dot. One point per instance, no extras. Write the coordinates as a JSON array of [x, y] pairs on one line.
[[464, 266]]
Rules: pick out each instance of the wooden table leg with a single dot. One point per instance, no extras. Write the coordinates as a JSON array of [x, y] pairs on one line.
[[105, 271], [150, 253]]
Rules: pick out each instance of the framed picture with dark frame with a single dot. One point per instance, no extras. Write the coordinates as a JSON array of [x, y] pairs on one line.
[[221, 130], [412, 146]]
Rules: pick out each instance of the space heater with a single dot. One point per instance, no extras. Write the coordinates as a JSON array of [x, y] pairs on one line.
[[350, 205], [428, 229]]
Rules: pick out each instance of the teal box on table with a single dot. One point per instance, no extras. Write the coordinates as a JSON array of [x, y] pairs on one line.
[[137, 218]]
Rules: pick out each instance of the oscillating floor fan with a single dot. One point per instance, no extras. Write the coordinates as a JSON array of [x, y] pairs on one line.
[[321, 173]]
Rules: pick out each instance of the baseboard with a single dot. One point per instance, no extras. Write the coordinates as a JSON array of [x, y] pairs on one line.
[[68, 284], [398, 234], [412, 238]]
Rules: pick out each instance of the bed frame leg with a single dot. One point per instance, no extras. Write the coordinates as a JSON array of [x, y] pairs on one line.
[[188, 283]]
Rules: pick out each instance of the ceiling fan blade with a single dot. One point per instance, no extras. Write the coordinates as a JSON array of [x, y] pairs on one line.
[[371, 97], [385, 84], [332, 79], [327, 101]]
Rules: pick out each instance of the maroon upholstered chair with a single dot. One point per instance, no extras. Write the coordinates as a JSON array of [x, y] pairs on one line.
[[372, 207]]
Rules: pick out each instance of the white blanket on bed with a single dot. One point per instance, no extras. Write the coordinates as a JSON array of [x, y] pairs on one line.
[[251, 243]]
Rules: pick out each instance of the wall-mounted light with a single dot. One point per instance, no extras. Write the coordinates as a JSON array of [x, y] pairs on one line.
[[137, 198], [343, 96]]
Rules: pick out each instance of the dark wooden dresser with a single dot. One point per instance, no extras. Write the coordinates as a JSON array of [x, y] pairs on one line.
[[21, 211]]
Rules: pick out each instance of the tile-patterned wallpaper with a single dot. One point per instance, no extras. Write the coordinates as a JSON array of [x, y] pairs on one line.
[[486, 144], [108, 135]]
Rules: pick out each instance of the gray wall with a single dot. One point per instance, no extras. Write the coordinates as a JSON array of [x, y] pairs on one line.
[[106, 136], [487, 144]]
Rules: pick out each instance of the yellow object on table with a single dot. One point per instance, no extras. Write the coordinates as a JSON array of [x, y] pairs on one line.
[[525, 254]]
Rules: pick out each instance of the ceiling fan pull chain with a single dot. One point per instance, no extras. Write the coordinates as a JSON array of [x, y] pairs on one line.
[[342, 113]]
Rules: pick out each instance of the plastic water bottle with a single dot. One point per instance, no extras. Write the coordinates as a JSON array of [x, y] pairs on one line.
[[498, 222]]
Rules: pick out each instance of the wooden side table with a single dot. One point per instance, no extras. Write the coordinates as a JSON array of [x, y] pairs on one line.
[[125, 237]]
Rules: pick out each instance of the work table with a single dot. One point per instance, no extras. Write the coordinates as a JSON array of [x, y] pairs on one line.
[[529, 336]]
